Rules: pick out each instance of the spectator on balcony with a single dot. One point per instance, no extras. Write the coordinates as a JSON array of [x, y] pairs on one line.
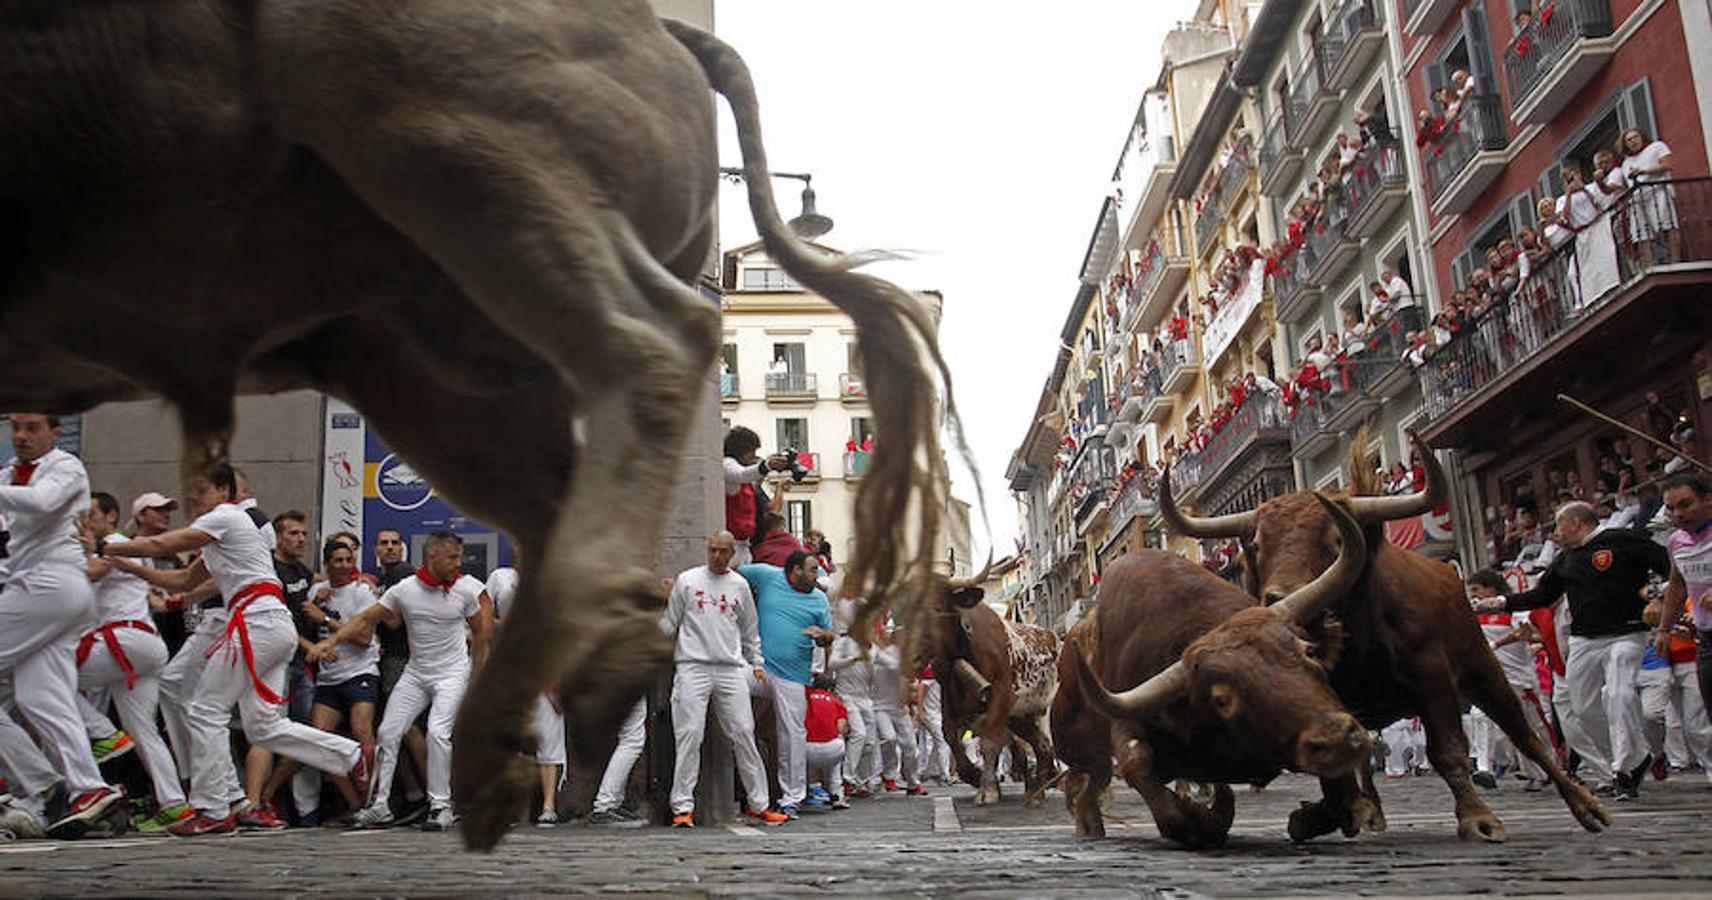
[[1429, 131], [1653, 217], [1581, 210], [1357, 332], [779, 367], [1463, 83], [1443, 330], [1374, 129], [1420, 348]]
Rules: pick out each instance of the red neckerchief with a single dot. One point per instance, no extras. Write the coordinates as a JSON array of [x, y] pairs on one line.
[[22, 471], [428, 578]]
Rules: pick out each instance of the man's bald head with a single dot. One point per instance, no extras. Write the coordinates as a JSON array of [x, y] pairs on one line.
[[721, 546], [1576, 522]]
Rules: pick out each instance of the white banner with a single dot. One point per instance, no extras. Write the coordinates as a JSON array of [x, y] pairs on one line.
[[341, 470], [1222, 330]]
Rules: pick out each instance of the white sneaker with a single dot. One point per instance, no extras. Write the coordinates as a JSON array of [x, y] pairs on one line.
[[18, 824], [377, 816], [441, 819]]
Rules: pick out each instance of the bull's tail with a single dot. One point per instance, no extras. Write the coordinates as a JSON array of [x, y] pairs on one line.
[[900, 501]]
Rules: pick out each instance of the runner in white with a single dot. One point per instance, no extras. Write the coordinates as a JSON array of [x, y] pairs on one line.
[[853, 680], [44, 608], [121, 659], [443, 614], [246, 666], [549, 718], [894, 726]]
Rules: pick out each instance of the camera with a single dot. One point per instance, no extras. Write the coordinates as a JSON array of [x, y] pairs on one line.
[[796, 468]]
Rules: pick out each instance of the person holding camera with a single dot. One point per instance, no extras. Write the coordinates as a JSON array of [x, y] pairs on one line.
[[745, 500]]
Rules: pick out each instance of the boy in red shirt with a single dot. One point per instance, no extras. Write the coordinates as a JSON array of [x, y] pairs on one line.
[[828, 722]]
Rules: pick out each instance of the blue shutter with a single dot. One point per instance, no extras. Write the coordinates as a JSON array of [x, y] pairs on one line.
[[1521, 212], [1636, 109], [1436, 77], [1480, 61]]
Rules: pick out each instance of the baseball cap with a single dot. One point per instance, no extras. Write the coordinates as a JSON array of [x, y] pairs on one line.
[[152, 500]]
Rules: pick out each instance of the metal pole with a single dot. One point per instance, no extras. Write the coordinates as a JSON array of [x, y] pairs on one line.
[[1634, 431]]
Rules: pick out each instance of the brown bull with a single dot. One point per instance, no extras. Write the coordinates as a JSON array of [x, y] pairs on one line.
[[1227, 692], [479, 223], [997, 679], [1411, 645]]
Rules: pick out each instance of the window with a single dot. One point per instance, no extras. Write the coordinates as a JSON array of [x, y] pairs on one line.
[[860, 428], [794, 355], [1307, 341], [768, 278], [1629, 107], [799, 517], [852, 359], [729, 354], [793, 433]]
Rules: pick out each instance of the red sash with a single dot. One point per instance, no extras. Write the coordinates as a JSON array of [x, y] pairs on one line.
[[235, 626], [112, 642], [1498, 618]]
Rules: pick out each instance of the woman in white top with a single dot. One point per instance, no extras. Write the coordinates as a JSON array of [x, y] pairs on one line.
[[246, 667], [1582, 210], [1653, 214]]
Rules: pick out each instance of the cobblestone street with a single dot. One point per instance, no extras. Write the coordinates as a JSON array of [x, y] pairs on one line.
[[933, 846]]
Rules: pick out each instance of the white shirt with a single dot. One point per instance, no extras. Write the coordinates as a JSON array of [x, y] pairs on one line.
[[855, 675], [240, 555], [354, 661], [42, 514], [120, 596], [888, 678], [1401, 295], [1517, 661], [501, 587], [436, 620], [714, 619]]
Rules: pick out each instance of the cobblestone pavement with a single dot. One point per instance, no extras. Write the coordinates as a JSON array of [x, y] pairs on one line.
[[940, 845]]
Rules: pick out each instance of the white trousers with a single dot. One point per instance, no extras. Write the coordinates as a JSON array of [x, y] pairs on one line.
[[178, 681], [1674, 715], [100, 677], [439, 693], [1595, 757], [549, 733], [826, 764], [631, 736], [859, 745], [694, 685], [790, 712], [932, 751], [1405, 746], [1492, 747], [226, 681], [896, 734], [42, 615], [1602, 674]]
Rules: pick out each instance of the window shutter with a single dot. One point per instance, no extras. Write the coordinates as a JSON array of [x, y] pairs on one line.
[[1636, 110], [1480, 63], [1436, 77], [1521, 212], [1551, 182]]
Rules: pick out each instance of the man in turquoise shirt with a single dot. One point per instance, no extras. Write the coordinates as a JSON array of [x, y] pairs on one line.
[[794, 616]]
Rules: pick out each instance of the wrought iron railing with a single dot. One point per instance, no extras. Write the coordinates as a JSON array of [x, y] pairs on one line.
[[1378, 169], [1218, 201], [1310, 83], [1655, 224], [1478, 127], [1348, 22], [728, 386], [1538, 48], [1272, 149], [792, 384]]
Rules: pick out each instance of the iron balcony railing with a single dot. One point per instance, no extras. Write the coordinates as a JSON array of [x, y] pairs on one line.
[[856, 463], [851, 386], [1309, 85], [1272, 149], [1377, 171], [1263, 412], [792, 384], [1545, 41], [729, 387], [1176, 355], [1224, 193], [1348, 22], [1478, 127], [1655, 224]]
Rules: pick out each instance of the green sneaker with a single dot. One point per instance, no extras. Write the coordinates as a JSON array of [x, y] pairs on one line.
[[160, 821], [113, 747]]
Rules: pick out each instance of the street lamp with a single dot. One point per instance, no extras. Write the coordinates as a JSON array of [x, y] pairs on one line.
[[810, 223]]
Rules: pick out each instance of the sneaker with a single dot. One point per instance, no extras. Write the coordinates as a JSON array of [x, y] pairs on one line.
[[441, 819], [915, 790], [819, 793], [1661, 769], [890, 785], [261, 817], [1486, 780], [112, 747], [1626, 786], [547, 819], [682, 820], [840, 803], [617, 817], [860, 793], [814, 803], [164, 819], [20, 824], [376, 816], [790, 811], [199, 825], [764, 817], [83, 812], [360, 773], [1534, 786]]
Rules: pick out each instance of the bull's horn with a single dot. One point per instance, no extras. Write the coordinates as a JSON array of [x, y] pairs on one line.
[[1307, 602], [973, 680], [1153, 694], [1234, 525], [975, 580], [1372, 510]]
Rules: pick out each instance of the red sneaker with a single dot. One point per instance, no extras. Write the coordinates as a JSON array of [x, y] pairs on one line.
[[891, 785], [204, 824], [860, 793], [915, 791], [89, 807], [261, 817], [362, 771]]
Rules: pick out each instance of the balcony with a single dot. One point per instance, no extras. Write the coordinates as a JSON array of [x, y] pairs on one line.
[[1186, 477], [1354, 39], [1464, 162], [1293, 292], [1090, 489], [1166, 266], [1158, 159], [1559, 331], [1247, 461], [1309, 435], [1313, 105], [811, 463], [856, 463], [1332, 246], [852, 389], [1135, 394], [1134, 500], [1279, 163], [1377, 189], [1352, 397], [1423, 17], [729, 388], [1555, 56], [792, 387], [1223, 196]]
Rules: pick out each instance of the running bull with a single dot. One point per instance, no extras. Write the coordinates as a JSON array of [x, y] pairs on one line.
[[1213, 688], [1410, 644]]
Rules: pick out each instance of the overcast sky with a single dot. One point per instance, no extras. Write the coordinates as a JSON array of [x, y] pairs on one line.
[[980, 137]]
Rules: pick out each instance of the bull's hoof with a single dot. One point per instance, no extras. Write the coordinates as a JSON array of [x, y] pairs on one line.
[[1586, 808], [491, 781], [1482, 826], [1369, 817], [969, 774], [1311, 820], [1092, 827], [986, 797]]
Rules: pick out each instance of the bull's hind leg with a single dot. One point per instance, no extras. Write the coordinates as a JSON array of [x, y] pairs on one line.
[[1045, 764], [1082, 792], [1447, 748], [1492, 693]]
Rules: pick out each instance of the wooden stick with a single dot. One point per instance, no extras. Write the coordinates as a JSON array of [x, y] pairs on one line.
[[1634, 431]]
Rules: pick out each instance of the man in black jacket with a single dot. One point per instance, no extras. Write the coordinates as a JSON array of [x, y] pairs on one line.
[[1603, 573]]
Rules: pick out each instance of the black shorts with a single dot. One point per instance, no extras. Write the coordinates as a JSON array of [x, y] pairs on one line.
[[346, 694]]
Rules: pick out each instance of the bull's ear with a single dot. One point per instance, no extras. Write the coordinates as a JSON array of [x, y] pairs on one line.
[[966, 598]]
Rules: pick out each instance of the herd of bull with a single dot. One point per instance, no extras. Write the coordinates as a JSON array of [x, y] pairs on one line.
[[1181, 677]]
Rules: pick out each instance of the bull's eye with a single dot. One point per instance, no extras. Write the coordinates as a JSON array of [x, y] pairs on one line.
[[1223, 700]]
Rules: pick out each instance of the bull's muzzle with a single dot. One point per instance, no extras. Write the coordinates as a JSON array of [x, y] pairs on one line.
[[1332, 746]]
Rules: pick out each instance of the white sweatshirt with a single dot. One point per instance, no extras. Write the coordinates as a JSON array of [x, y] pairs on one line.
[[713, 617], [855, 675], [42, 514], [888, 680]]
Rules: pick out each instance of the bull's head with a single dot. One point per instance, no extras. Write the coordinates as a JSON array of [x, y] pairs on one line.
[[950, 640], [1255, 681], [1291, 539]]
